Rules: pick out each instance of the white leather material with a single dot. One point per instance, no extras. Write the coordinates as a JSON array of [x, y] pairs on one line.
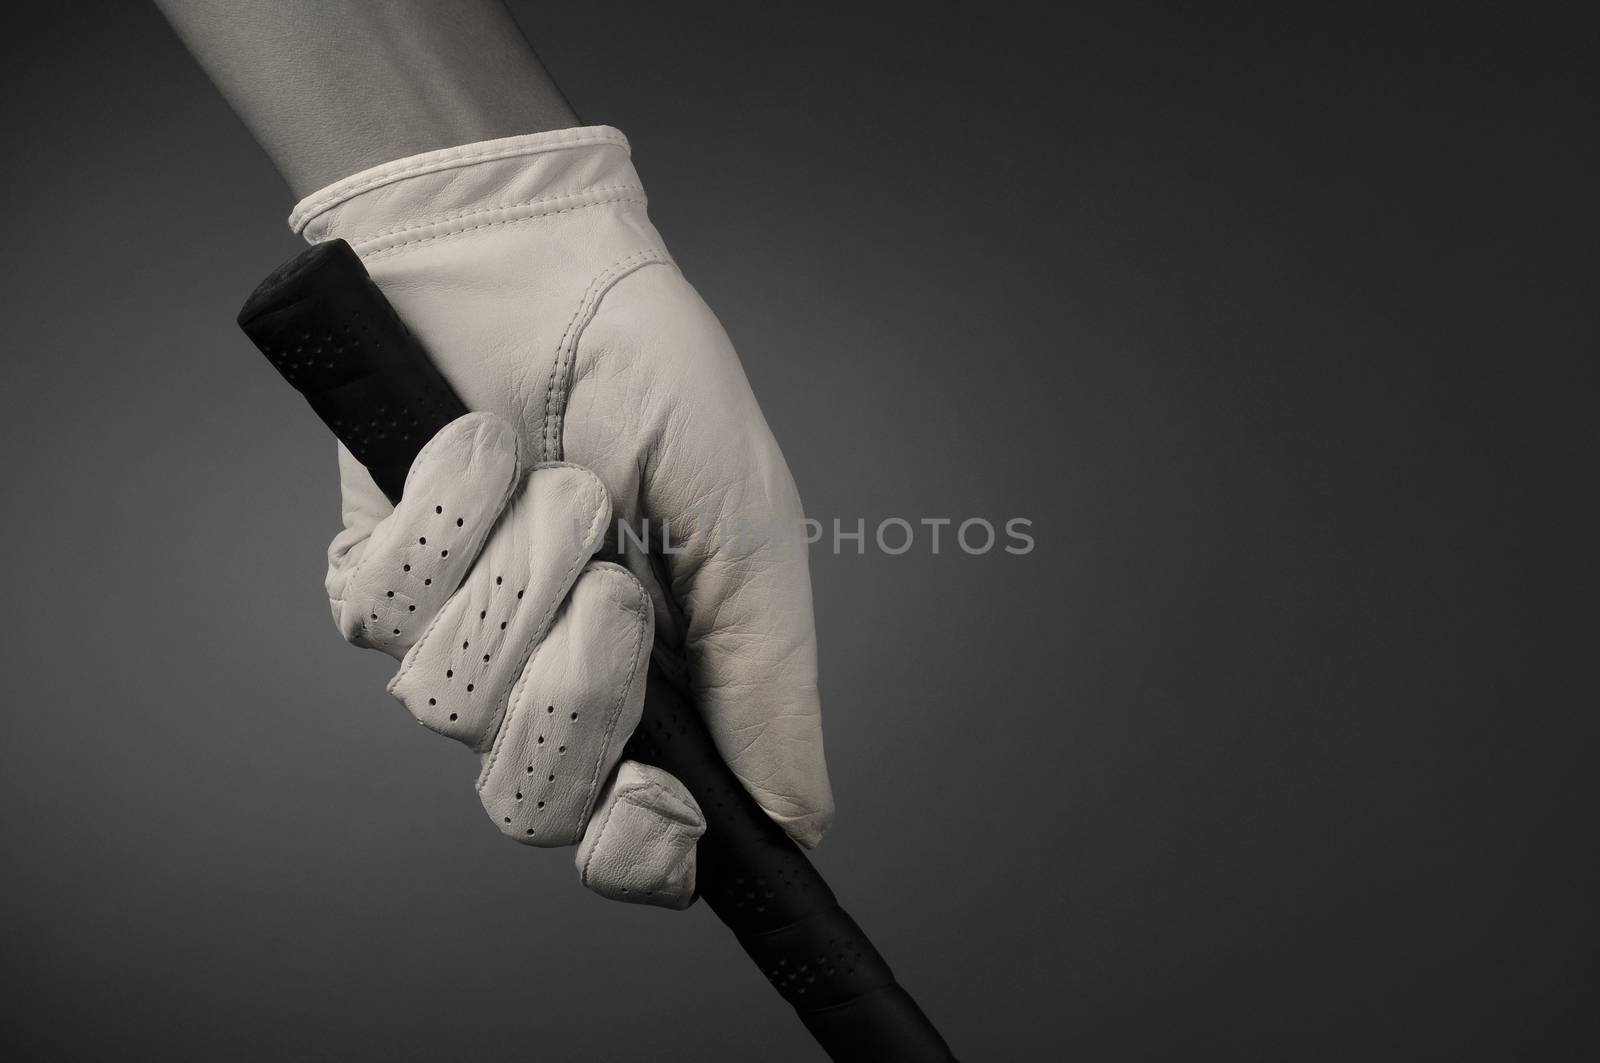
[[641, 845], [657, 355], [384, 586], [459, 676], [575, 705], [530, 272], [514, 641]]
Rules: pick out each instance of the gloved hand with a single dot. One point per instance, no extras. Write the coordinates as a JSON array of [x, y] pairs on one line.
[[529, 271]]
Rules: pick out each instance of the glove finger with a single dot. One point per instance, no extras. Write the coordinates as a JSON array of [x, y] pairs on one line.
[[578, 700], [640, 844], [459, 676], [417, 556]]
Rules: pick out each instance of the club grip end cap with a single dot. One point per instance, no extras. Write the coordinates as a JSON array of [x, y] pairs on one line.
[[327, 329]]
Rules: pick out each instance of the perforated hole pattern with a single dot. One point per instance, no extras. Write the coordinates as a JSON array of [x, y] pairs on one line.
[[757, 880], [327, 329], [376, 389]]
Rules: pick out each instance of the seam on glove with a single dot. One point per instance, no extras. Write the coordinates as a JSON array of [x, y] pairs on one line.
[[640, 797], [493, 755], [447, 159], [653, 797], [555, 396], [644, 614], [583, 872], [439, 219], [397, 248], [475, 545], [602, 513], [602, 508]]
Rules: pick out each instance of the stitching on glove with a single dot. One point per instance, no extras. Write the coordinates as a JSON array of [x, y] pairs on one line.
[[474, 545], [394, 249], [617, 572], [602, 508], [639, 796], [440, 219], [656, 798], [555, 395], [412, 654], [446, 159], [493, 753], [583, 872]]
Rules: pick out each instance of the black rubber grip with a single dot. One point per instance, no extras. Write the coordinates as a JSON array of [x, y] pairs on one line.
[[328, 329]]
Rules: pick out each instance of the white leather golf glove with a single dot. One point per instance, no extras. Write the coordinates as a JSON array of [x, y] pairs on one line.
[[610, 397]]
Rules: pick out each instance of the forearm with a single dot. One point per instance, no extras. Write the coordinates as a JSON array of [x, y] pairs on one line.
[[330, 87]]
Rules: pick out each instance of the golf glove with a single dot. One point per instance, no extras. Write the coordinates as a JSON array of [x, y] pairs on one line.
[[614, 419]]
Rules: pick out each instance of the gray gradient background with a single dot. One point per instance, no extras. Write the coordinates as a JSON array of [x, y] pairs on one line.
[[1273, 748]]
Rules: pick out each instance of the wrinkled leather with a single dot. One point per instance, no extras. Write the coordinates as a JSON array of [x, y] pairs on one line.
[[640, 846], [529, 270]]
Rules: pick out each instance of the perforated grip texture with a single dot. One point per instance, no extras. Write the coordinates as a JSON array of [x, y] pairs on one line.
[[760, 884], [325, 326], [327, 329]]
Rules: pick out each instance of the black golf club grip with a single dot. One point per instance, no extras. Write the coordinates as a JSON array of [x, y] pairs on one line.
[[325, 326]]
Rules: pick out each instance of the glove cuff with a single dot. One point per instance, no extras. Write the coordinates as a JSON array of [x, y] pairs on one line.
[[439, 192]]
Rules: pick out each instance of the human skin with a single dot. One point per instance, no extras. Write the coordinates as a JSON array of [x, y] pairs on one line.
[[331, 87]]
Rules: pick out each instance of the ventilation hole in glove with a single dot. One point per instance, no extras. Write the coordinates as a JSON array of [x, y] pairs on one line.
[[519, 595], [519, 795], [463, 645], [552, 777], [497, 581], [550, 709], [438, 509], [459, 522], [486, 658], [374, 616], [406, 568], [530, 769], [444, 553], [411, 608], [540, 740], [541, 804], [433, 701], [449, 673], [397, 631], [452, 717], [483, 614], [423, 541], [574, 716], [502, 625], [428, 582], [561, 749], [508, 819], [389, 594], [469, 688], [529, 832]]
